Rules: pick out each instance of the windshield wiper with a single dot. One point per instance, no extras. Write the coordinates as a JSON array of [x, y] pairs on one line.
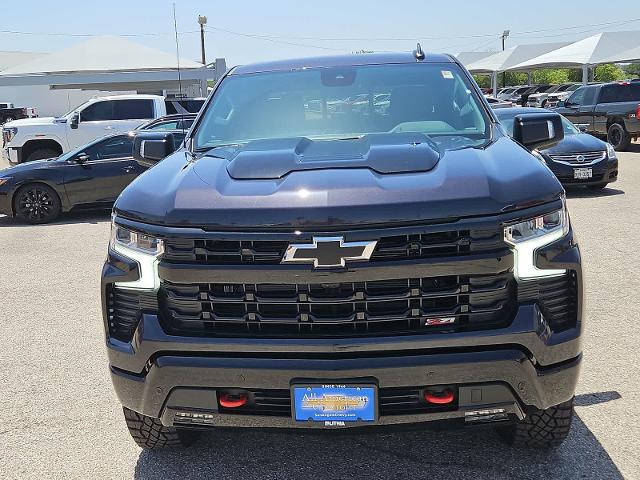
[[214, 147]]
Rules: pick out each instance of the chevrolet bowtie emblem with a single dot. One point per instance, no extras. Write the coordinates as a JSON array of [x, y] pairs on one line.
[[328, 252]]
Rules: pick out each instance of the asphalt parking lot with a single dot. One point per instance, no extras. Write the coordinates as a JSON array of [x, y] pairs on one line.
[[59, 417]]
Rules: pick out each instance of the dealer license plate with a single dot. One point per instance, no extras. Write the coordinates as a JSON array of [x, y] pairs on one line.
[[334, 404], [582, 173]]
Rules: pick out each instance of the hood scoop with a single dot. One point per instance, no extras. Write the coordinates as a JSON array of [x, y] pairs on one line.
[[384, 153]]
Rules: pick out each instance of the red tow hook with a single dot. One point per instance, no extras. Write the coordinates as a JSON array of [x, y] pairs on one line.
[[232, 401], [439, 398]]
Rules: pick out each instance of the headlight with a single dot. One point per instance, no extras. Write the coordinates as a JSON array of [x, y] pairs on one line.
[[611, 153], [527, 236], [144, 249], [539, 156], [9, 133]]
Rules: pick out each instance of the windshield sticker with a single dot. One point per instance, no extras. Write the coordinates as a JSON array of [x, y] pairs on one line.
[[446, 74]]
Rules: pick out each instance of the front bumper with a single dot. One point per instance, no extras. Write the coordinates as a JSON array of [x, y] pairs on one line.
[[159, 374], [605, 171]]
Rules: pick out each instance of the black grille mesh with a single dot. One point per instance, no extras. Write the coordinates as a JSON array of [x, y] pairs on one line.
[[339, 309], [124, 309], [397, 247]]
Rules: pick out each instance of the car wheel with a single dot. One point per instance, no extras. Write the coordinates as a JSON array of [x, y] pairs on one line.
[[149, 433], [36, 203], [598, 186], [618, 137], [541, 428], [42, 153], [543, 104]]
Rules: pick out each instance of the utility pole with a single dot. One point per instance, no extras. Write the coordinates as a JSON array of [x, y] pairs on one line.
[[505, 35], [202, 20]]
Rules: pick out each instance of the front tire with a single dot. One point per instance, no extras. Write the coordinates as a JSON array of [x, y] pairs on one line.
[[541, 428], [36, 203], [149, 433], [618, 137]]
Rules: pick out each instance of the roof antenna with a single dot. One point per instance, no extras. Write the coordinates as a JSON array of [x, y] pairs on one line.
[[175, 28], [418, 53]]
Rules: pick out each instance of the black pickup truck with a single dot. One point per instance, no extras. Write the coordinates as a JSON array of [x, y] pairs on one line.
[[610, 110], [329, 267], [9, 113]]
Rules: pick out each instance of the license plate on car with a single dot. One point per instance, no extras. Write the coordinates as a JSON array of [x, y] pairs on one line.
[[582, 173], [334, 404]]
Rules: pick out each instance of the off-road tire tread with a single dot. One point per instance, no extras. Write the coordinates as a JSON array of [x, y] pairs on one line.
[[542, 428], [149, 433]]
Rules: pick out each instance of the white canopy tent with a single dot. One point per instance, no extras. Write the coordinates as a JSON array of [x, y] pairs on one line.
[[109, 62], [507, 59], [467, 58], [606, 47]]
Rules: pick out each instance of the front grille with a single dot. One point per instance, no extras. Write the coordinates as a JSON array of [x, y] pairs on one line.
[[396, 247], [391, 401], [124, 309], [397, 306], [586, 158], [557, 298]]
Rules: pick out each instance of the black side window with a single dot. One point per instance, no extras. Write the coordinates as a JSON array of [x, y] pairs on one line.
[[116, 147], [138, 109], [178, 138], [589, 96], [97, 112], [626, 92], [183, 106]]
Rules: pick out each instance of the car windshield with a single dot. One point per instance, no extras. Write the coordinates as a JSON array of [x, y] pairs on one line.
[[74, 109], [338, 103], [568, 127]]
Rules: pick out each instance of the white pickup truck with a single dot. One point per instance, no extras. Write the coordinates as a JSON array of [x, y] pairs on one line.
[[36, 138]]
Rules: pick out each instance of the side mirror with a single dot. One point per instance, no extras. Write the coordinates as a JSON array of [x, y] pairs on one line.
[[151, 147], [538, 131], [82, 158], [75, 120]]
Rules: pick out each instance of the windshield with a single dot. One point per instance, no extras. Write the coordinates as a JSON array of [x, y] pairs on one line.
[[344, 102], [568, 127]]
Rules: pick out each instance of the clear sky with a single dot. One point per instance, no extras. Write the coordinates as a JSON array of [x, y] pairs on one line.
[[253, 30]]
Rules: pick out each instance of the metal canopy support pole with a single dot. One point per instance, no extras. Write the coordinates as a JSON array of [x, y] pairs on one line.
[[585, 74], [494, 83], [529, 78]]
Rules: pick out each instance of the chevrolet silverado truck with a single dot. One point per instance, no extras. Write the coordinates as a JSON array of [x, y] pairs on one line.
[[319, 268], [48, 137], [610, 111]]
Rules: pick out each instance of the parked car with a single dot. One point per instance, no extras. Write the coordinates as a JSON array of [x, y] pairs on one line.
[[540, 99], [347, 270], [579, 159], [510, 92], [554, 98], [495, 103], [89, 177], [9, 112], [46, 137], [522, 97], [609, 110], [170, 122]]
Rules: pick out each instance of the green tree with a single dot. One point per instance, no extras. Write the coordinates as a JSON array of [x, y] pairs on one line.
[[551, 75], [608, 73], [483, 81], [632, 70]]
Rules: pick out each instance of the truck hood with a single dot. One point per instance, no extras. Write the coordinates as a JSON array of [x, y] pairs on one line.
[[468, 182], [39, 121]]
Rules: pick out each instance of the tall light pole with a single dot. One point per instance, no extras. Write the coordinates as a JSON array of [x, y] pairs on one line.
[[505, 35], [202, 20]]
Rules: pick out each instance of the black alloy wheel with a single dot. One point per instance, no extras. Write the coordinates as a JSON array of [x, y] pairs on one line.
[[618, 137], [37, 203]]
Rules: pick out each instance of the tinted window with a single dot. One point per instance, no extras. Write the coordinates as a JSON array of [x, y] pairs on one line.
[[436, 100], [183, 106], [138, 109], [626, 92], [172, 125], [589, 96], [97, 111], [115, 147]]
